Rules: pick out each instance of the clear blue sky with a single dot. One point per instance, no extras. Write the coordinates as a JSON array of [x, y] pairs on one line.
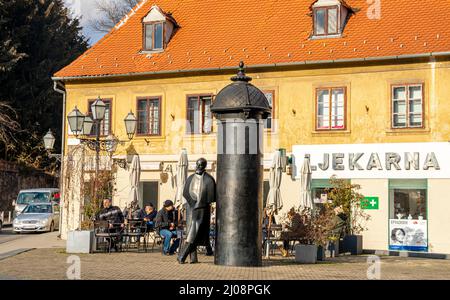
[[85, 10]]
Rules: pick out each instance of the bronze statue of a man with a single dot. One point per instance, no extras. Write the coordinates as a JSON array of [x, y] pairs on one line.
[[199, 192]]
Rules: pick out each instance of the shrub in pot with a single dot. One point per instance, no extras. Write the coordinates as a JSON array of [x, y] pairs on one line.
[[350, 218], [316, 228], [95, 190]]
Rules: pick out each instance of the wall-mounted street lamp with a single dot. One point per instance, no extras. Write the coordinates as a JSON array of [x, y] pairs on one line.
[[49, 143], [82, 125]]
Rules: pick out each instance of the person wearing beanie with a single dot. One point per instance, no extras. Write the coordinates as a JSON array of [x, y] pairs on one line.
[[166, 223]]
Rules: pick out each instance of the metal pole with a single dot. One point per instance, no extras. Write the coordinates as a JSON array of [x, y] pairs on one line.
[[63, 144], [97, 154]]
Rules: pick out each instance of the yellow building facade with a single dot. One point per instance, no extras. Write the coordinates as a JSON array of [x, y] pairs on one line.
[[368, 115]]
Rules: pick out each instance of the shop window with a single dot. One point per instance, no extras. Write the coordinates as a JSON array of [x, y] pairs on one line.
[[330, 108], [105, 124], [199, 114], [149, 116], [407, 106], [408, 215], [319, 192]]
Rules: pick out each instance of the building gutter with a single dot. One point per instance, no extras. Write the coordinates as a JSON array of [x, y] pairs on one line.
[[289, 64], [59, 87]]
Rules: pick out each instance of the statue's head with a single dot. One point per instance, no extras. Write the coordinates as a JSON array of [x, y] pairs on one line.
[[201, 166]]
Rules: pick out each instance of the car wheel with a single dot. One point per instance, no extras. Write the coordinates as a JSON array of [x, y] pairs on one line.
[[52, 227]]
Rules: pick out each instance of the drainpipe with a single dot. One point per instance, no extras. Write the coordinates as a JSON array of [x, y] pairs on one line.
[[59, 87]]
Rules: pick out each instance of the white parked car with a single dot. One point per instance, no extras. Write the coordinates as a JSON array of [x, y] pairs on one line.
[[26, 197], [37, 217]]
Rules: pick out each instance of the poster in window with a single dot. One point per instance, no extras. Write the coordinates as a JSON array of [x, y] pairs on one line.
[[408, 235]]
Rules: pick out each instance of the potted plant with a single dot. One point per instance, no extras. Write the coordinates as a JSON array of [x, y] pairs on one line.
[[311, 236], [94, 191], [321, 230], [350, 217]]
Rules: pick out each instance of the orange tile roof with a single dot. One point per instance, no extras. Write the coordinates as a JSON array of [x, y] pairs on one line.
[[217, 34]]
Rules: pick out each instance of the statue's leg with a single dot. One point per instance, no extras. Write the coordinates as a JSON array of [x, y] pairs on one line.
[[193, 256], [185, 251]]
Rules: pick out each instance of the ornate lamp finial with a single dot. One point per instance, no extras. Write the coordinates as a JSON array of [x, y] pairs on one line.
[[241, 74]]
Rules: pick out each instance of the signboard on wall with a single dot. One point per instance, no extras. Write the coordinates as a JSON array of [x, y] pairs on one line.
[[370, 203], [368, 161], [408, 235]]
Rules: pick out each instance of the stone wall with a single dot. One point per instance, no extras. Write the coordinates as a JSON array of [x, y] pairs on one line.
[[14, 178]]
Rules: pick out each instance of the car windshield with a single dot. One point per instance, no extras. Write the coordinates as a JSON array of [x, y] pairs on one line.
[[38, 209], [33, 197]]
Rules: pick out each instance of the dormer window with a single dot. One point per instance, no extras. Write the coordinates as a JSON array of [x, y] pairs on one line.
[[154, 36], [326, 20], [158, 28], [329, 18]]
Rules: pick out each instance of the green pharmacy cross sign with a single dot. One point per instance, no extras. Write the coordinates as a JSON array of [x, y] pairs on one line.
[[370, 203]]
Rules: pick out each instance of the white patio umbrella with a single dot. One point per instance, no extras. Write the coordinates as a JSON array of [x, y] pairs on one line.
[[135, 177], [306, 199], [182, 171], [274, 202]]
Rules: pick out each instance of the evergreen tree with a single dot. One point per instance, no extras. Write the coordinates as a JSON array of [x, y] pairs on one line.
[[37, 38]]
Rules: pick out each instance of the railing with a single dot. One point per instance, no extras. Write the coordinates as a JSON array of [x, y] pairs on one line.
[[6, 217]]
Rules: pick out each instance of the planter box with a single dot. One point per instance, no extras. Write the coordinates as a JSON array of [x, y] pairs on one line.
[[306, 254], [80, 242], [353, 244]]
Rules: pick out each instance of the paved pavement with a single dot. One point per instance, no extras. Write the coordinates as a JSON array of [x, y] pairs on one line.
[[53, 264], [11, 244]]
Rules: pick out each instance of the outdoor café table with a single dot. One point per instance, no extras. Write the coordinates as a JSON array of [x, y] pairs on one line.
[[134, 228]]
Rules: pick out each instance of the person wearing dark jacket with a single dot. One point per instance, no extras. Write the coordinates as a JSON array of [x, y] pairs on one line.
[[113, 215], [166, 223], [149, 216], [199, 192]]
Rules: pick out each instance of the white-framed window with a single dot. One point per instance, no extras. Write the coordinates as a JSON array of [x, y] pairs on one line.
[[268, 123], [330, 108], [199, 114], [407, 106]]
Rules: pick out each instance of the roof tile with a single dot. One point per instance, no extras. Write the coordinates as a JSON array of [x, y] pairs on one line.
[[213, 34]]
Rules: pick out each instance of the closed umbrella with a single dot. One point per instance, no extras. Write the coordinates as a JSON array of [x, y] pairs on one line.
[[274, 202], [135, 177], [182, 171], [306, 199]]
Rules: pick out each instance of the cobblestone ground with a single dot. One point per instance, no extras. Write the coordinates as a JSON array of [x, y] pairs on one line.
[[52, 264]]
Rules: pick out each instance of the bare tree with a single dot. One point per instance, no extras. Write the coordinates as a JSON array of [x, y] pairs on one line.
[[110, 12], [8, 125]]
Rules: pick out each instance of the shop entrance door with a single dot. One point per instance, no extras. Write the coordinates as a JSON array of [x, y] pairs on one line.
[[150, 193]]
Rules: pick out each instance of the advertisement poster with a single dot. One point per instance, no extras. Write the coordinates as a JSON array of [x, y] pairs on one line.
[[408, 235]]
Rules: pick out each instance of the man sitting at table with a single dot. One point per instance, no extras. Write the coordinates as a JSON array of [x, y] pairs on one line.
[[166, 222], [149, 216], [115, 219]]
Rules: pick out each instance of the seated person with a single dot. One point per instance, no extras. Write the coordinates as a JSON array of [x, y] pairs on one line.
[[295, 230], [115, 219], [132, 211], [165, 223], [267, 219], [149, 216]]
